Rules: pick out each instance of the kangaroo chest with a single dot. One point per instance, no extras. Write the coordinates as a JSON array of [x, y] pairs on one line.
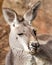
[[21, 58]]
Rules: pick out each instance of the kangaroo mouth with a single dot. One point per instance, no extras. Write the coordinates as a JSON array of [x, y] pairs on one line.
[[34, 51], [34, 48]]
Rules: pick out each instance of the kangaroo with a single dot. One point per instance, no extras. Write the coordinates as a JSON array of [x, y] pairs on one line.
[[21, 48], [19, 37]]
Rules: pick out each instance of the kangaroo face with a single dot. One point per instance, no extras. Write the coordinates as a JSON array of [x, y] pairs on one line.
[[20, 29]]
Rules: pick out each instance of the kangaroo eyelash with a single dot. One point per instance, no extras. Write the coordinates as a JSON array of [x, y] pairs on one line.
[[20, 34]]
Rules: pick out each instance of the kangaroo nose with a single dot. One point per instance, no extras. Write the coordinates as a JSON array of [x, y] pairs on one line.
[[35, 45]]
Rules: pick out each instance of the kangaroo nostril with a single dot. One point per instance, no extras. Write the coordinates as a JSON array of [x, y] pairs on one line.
[[35, 45]]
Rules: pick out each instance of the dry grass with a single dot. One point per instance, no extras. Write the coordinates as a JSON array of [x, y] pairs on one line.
[[3, 39]]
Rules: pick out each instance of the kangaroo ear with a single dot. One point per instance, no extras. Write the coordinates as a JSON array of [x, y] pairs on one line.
[[31, 13], [9, 15]]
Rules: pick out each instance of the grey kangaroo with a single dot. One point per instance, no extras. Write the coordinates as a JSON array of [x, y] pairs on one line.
[[22, 49]]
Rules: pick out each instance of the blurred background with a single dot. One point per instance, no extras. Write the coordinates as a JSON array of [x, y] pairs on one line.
[[43, 21]]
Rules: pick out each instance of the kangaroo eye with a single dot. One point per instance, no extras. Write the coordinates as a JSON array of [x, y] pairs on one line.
[[20, 34]]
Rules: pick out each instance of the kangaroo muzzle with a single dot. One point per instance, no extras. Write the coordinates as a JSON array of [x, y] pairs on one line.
[[34, 47]]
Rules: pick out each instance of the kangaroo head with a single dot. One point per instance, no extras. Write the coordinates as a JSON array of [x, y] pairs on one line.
[[20, 26]]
